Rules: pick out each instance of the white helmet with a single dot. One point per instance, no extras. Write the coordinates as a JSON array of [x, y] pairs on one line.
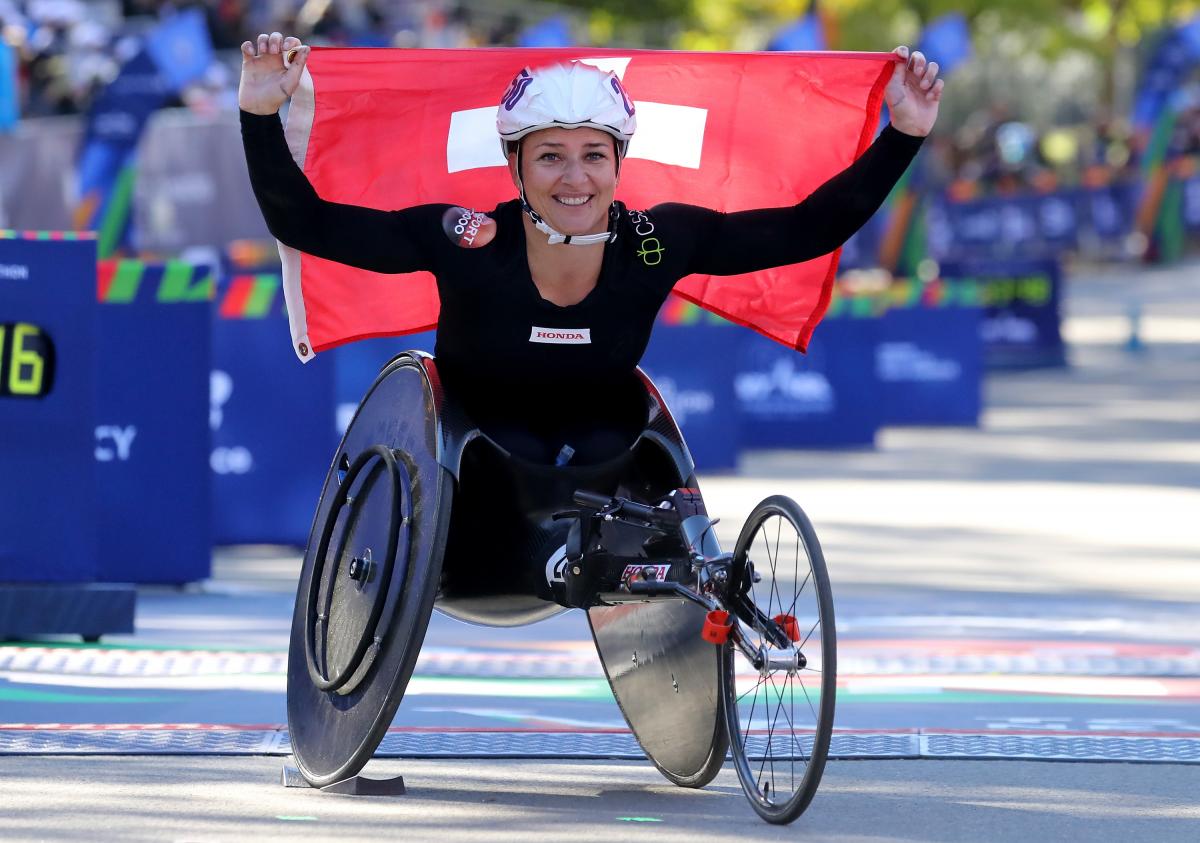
[[568, 96]]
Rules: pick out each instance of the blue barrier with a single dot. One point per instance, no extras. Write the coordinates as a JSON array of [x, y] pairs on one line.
[[1191, 203], [828, 397], [48, 356], [271, 418], [1038, 225], [929, 360], [152, 422], [1021, 322], [693, 367]]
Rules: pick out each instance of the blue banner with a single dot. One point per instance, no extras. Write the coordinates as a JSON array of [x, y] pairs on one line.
[[1032, 225], [693, 367], [9, 107], [151, 444], [1175, 54], [48, 357], [1021, 322], [828, 397], [271, 419], [929, 362], [551, 32], [113, 126], [1191, 203], [946, 40], [1109, 213], [181, 48], [807, 33]]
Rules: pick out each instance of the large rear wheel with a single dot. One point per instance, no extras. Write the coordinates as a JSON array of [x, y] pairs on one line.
[[778, 681], [370, 575]]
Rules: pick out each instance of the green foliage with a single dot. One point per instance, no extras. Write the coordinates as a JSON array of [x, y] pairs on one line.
[[1055, 25], [635, 10]]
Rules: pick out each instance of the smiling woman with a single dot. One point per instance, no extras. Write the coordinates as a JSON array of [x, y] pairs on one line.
[[573, 123], [540, 343], [549, 425], [572, 175]]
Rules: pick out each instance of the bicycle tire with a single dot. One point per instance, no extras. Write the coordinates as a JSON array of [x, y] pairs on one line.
[[815, 613]]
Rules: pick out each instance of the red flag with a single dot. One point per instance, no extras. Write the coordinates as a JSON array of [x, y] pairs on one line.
[[390, 129]]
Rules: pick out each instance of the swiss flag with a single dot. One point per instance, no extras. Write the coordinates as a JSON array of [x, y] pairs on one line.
[[390, 128]]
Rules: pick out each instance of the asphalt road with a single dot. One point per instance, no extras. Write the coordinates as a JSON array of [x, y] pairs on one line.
[[1039, 575], [207, 798]]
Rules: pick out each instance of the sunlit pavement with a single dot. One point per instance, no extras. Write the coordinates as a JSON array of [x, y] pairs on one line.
[[210, 798], [1035, 577]]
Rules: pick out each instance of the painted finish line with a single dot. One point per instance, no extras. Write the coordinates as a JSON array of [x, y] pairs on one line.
[[863, 658], [193, 739]]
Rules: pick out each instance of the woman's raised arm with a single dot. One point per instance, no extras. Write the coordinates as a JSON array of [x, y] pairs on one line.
[[748, 241], [381, 241]]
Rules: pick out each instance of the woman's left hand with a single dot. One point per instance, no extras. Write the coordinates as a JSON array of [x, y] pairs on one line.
[[913, 93]]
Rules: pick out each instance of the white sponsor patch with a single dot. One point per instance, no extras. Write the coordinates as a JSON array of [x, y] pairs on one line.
[[563, 336], [660, 572]]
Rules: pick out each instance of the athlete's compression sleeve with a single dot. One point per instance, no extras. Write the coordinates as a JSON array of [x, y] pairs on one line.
[[381, 241], [748, 241]]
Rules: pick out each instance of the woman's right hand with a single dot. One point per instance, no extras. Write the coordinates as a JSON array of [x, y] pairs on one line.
[[266, 82]]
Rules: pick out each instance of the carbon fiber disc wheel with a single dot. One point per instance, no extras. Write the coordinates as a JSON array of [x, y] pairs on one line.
[[369, 578]]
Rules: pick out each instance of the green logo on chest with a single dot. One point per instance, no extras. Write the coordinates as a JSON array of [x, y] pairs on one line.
[[651, 251]]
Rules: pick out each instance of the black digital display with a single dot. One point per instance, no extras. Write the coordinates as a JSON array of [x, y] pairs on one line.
[[26, 361]]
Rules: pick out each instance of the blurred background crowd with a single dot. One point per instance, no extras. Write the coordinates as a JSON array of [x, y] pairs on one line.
[[1068, 142], [1046, 95]]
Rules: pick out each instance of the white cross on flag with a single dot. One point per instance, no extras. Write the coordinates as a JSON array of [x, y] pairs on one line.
[[395, 128]]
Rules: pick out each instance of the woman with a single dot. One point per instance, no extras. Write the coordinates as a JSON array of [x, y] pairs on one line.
[[547, 307]]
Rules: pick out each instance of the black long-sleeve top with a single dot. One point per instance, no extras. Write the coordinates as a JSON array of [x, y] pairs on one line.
[[512, 356]]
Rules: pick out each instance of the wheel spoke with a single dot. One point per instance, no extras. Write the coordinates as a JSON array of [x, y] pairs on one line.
[[792, 723], [763, 765], [804, 688], [775, 571], [756, 686], [767, 754], [796, 576], [813, 629], [800, 590], [799, 750], [753, 705]]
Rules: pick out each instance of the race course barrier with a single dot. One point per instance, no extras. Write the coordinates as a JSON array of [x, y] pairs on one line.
[[47, 405], [271, 421], [151, 446], [50, 562], [1022, 310]]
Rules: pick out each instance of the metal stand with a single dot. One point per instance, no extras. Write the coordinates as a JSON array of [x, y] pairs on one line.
[[353, 786]]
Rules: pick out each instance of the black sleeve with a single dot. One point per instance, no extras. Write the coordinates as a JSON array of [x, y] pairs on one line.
[[748, 241], [381, 241]]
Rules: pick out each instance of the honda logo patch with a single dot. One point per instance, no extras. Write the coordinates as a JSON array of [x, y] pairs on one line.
[[562, 336]]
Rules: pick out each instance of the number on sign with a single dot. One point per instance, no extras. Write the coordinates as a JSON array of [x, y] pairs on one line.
[[26, 360]]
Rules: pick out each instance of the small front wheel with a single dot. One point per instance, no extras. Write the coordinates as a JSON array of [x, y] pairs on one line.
[[779, 670]]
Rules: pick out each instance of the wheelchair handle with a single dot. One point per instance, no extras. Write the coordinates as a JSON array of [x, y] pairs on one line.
[[592, 500], [659, 517]]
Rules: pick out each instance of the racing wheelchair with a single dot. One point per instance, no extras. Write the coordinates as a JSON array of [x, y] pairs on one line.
[[708, 653]]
